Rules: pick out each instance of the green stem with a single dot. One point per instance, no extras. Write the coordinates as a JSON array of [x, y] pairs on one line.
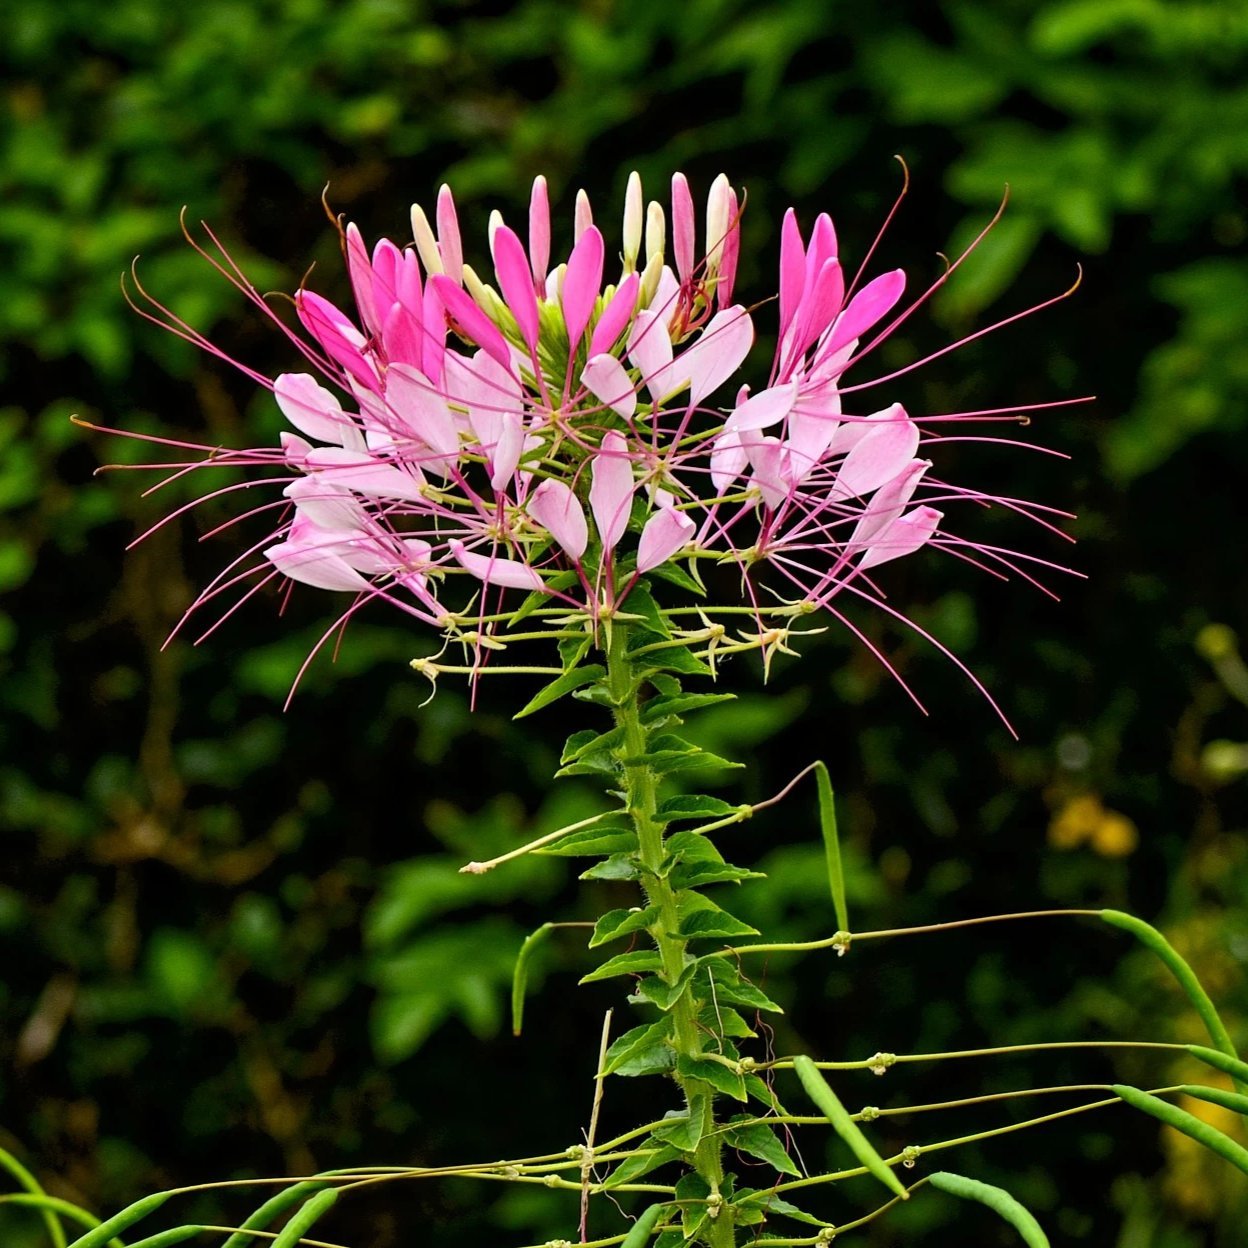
[[641, 799]]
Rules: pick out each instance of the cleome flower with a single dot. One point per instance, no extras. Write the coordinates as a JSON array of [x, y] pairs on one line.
[[566, 431]]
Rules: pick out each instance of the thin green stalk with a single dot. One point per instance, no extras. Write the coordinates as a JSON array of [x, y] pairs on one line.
[[641, 799]]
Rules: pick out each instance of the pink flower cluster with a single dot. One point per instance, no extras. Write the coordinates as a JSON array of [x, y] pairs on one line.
[[563, 431]]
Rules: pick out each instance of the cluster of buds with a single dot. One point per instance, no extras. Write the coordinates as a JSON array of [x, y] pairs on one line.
[[565, 435]]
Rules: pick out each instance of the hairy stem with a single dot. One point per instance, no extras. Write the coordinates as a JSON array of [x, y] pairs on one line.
[[641, 798]]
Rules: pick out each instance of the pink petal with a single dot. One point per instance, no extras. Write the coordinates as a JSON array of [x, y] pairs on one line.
[[402, 334], [474, 323], [505, 573], [821, 303], [507, 451], [611, 489], [650, 347], [874, 301], [666, 532], [887, 504], [328, 506], [766, 408], [877, 458], [342, 342], [433, 326], [682, 226], [583, 217], [539, 231], [904, 536], [387, 264], [615, 316], [449, 246], [719, 351], [767, 458], [314, 410], [516, 282], [792, 270], [732, 253], [364, 474], [581, 284], [421, 411], [557, 509], [361, 273], [608, 381], [728, 460], [311, 565]]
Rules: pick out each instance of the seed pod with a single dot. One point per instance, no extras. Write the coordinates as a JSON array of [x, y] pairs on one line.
[[995, 1198], [1233, 1101], [272, 1208], [826, 1100], [1152, 939], [293, 1231], [643, 1228], [98, 1236], [832, 845], [1220, 1061], [1189, 1124], [166, 1239]]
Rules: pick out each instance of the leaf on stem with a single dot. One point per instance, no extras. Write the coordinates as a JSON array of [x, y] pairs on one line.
[[561, 686]]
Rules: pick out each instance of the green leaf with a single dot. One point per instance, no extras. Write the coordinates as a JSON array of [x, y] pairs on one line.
[[617, 923], [580, 744], [715, 1073], [727, 1022], [681, 1131], [642, 1050], [638, 962], [561, 686], [714, 924], [694, 806], [640, 602], [732, 989], [680, 704], [632, 1168], [697, 874], [767, 1202], [995, 1198], [659, 992], [832, 845], [673, 659], [677, 576], [759, 1140], [613, 834], [764, 1093], [691, 1192], [616, 867]]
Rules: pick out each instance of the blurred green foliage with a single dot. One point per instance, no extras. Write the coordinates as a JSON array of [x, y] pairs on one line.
[[236, 941]]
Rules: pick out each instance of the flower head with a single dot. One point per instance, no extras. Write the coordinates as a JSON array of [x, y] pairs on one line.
[[570, 431]]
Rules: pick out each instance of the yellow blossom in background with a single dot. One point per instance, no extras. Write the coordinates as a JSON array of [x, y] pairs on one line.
[[1084, 819]]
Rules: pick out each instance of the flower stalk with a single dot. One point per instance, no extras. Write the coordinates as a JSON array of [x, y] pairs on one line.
[[640, 787]]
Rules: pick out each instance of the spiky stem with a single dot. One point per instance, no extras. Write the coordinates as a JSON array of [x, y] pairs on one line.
[[641, 798]]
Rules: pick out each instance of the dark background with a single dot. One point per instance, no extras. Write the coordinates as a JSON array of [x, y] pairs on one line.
[[234, 940]]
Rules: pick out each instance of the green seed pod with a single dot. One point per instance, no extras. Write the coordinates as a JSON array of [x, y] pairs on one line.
[[1233, 1101], [832, 845], [1189, 1124], [1152, 939], [1228, 1065], [995, 1198], [165, 1239], [826, 1100], [98, 1236], [293, 1231], [643, 1228], [272, 1208]]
